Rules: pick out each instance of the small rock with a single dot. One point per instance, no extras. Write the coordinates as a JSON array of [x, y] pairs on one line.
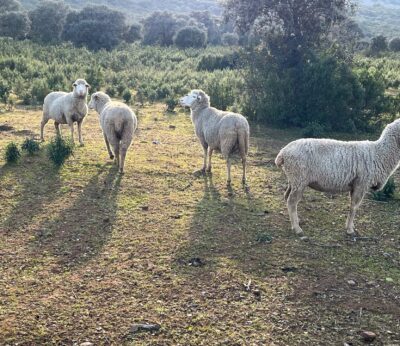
[[177, 216], [196, 262], [389, 280], [368, 336], [144, 207], [144, 327], [306, 239], [172, 127], [351, 282], [87, 343], [156, 142], [289, 269], [386, 254]]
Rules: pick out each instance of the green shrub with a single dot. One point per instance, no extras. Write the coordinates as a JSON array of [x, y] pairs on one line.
[[30, 146], [387, 192], [313, 130], [59, 150], [127, 95], [12, 153], [171, 104]]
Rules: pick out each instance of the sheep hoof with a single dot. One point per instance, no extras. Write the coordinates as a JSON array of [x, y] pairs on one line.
[[200, 172], [228, 183], [298, 231], [81, 144]]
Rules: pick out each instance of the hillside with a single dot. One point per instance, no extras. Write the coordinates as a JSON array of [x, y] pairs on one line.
[[137, 9], [379, 18]]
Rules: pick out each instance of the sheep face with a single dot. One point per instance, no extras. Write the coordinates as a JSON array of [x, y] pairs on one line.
[[98, 100], [81, 88], [191, 99]]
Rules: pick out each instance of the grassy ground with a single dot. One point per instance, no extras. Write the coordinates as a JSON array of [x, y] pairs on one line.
[[86, 253]]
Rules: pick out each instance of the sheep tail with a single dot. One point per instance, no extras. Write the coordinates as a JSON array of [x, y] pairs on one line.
[[127, 136], [243, 139], [279, 161]]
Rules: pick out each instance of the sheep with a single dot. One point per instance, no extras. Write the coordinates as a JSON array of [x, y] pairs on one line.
[[66, 108], [336, 166], [118, 123], [218, 130]]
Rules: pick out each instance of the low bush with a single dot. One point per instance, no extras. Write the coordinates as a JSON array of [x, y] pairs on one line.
[[12, 153], [30, 146], [59, 150]]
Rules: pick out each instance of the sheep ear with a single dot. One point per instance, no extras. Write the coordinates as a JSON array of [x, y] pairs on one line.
[[96, 97], [88, 86]]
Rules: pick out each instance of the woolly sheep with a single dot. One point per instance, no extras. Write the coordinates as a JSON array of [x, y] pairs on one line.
[[218, 130], [66, 108], [335, 166], [118, 123]]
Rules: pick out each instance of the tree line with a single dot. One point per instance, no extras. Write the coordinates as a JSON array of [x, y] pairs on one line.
[[100, 27]]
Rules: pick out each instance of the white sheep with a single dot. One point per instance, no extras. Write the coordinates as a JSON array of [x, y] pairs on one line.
[[335, 166], [66, 108], [218, 130], [118, 123]]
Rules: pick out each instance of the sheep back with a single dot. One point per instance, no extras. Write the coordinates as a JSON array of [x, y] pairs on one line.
[[119, 120], [327, 165]]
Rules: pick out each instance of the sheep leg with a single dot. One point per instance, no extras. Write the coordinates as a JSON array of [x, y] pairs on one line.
[[205, 148], [80, 132], [115, 145], [210, 152], [42, 124], [71, 126], [356, 196], [287, 192], [244, 168], [294, 198], [57, 127], [122, 162], [108, 147], [228, 169]]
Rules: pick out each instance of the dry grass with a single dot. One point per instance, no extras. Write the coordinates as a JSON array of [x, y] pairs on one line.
[[85, 253]]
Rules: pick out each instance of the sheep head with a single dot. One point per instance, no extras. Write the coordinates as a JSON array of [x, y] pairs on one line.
[[195, 99], [81, 88], [98, 100]]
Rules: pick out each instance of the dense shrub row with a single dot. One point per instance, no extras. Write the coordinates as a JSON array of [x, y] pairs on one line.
[[132, 72]]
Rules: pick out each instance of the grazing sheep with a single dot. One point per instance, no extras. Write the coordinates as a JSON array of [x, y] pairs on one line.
[[118, 123], [217, 130], [66, 108], [336, 166]]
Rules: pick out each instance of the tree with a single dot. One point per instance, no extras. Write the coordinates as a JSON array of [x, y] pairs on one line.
[[14, 24], [394, 44], [289, 28], [190, 36], [160, 28], [96, 27], [378, 44], [133, 33], [47, 21], [210, 24], [230, 39], [9, 6]]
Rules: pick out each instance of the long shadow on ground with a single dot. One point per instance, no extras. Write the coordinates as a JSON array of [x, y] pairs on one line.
[[36, 183], [81, 230]]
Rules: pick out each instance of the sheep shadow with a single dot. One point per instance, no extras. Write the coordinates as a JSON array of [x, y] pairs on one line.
[[34, 183], [225, 227], [80, 231]]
